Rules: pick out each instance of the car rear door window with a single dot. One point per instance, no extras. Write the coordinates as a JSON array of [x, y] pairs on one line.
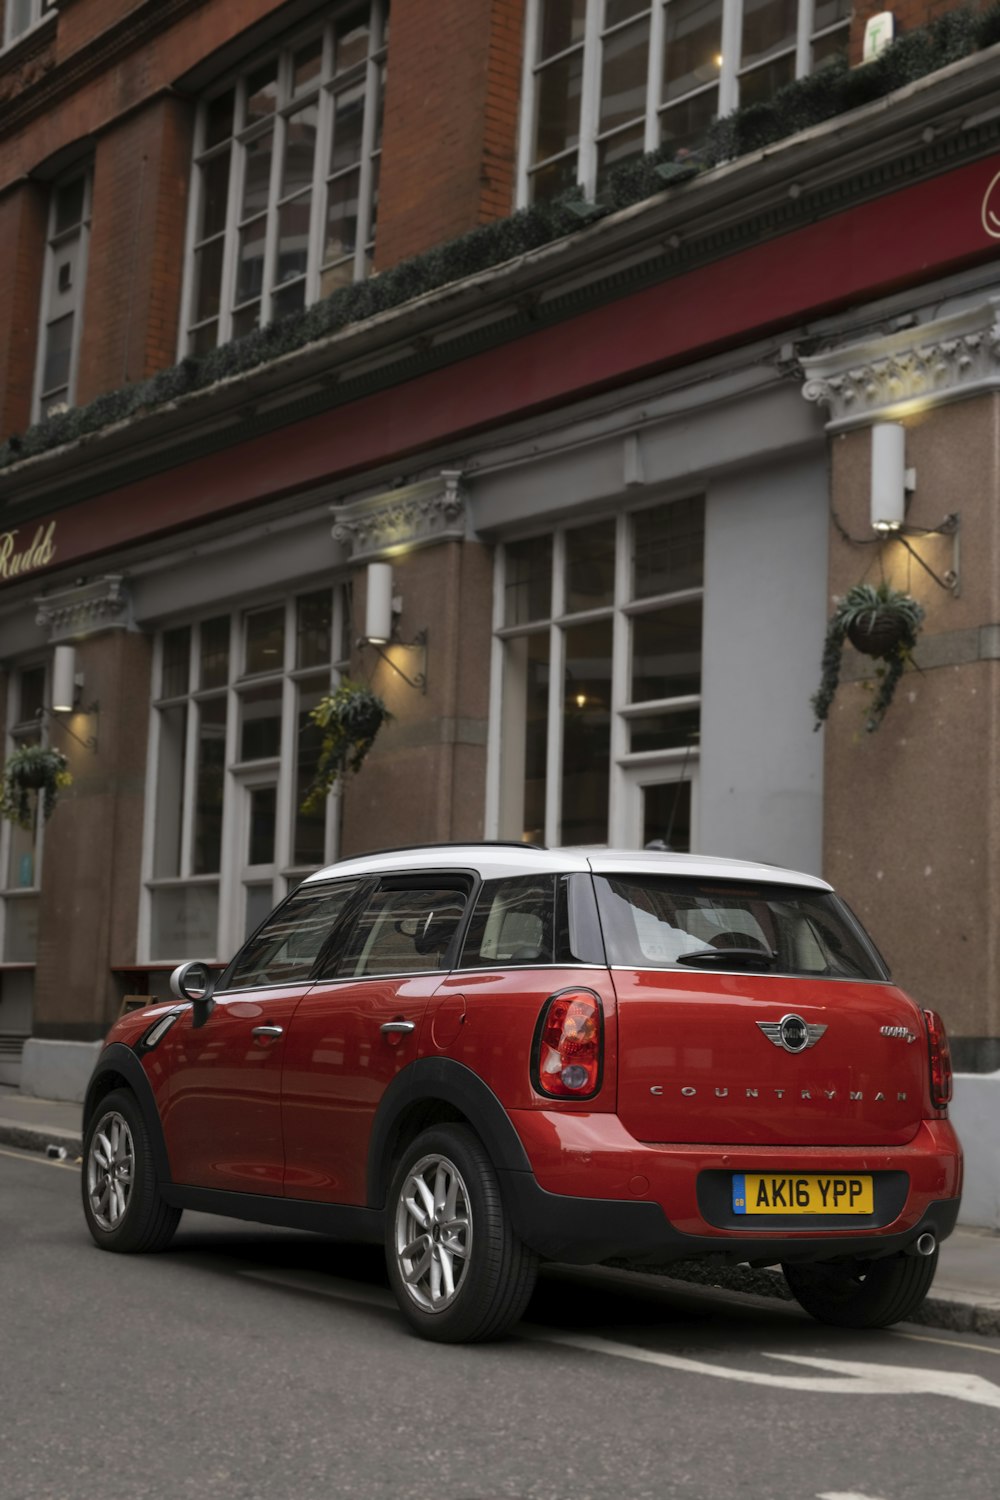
[[284, 950], [513, 923], [402, 930]]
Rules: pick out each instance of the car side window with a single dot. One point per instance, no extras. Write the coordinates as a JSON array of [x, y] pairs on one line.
[[513, 923], [402, 931], [285, 949]]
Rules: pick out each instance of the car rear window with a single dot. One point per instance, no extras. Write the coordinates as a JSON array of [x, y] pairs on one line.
[[652, 922]]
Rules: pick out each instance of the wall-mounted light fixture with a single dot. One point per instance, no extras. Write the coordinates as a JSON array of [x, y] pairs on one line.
[[382, 611], [67, 694], [891, 483]]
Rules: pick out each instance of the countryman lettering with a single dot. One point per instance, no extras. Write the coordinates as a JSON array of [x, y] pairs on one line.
[[14, 563]]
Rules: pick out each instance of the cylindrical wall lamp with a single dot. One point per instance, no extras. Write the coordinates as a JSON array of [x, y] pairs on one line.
[[64, 679], [378, 604], [889, 476]]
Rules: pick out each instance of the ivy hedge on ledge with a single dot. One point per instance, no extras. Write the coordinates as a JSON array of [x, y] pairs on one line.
[[808, 101]]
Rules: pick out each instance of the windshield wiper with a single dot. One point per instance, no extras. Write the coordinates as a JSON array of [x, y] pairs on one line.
[[721, 958]]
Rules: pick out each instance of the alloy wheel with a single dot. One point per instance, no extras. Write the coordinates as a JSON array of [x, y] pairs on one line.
[[433, 1239], [110, 1171]]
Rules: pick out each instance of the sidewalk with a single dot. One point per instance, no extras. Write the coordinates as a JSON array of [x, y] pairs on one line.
[[965, 1297]]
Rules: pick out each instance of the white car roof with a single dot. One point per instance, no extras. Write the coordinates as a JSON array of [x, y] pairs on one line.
[[491, 861]]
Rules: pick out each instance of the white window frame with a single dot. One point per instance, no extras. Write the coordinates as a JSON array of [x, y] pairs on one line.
[[48, 314], [321, 91], [38, 11], [621, 611], [18, 734], [730, 74], [238, 775]]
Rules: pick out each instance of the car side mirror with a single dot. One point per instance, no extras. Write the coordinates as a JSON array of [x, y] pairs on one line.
[[194, 981]]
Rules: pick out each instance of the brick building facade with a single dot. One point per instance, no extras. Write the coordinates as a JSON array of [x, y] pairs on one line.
[[614, 523]]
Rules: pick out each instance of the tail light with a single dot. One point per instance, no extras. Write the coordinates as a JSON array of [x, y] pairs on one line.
[[567, 1056], [940, 1059]]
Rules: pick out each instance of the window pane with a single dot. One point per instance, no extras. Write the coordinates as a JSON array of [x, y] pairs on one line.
[[829, 12], [287, 947], [666, 653], [176, 662], [341, 274], [260, 722], [262, 92], [623, 75], [257, 175], [300, 151], [616, 11], [668, 545], [341, 217], [31, 694], [349, 111], [586, 734], [528, 587], [250, 269], [246, 319], [762, 83], [309, 842], [259, 901], [351, 40], [70, 198], [768, 25], [524, 732], [666, 815], [214, 652], [558, 106], [665, 731], [208, 280], [170, 790], [265, 640], [684, 126], [204, 338], [293, 238], [314, 623], [306, 65], [288, 300], [829, 47], [58, 353], [513, 923], [590, 566], [619, 148], [20, 944], [560, 23], [263, 809], [548, 182], [214, 195], [219, 119], [185, 922], [692, 45], [20, 859], [403, 932], [210, 780]]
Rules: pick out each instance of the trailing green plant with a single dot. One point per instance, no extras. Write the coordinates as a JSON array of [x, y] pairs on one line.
[[881, 622], [797, 106], [350, 719], [33, 777]]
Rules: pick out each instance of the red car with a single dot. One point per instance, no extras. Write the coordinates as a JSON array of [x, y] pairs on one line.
[[486, 1055]]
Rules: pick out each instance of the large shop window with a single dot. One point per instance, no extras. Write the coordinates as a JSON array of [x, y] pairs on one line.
[[62, 293], [600, 649], [608, 79], [20, 860], [234, 751], [286, 171]]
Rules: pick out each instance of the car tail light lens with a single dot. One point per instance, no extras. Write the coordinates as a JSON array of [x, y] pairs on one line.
[[940, 1058], [569, 1044]]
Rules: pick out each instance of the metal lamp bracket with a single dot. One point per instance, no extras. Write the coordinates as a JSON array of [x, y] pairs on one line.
[[419, 643], [93, 711]]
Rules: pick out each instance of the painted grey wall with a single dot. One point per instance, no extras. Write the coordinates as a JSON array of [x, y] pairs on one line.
[[761, 785]]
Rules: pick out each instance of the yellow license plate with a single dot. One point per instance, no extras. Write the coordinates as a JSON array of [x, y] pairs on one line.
[[771, 1193]]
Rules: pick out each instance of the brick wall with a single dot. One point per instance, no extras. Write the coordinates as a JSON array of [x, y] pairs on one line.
[[141, 173], [450, 129], [23, 220]]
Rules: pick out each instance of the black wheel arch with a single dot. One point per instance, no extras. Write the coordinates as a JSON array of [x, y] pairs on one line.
[[434, 1091], [118, 1067]]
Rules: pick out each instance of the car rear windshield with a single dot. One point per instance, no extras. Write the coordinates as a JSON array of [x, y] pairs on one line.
[[653, 923]]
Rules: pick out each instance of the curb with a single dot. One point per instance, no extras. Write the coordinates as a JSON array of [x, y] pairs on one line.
[[30, 1138]]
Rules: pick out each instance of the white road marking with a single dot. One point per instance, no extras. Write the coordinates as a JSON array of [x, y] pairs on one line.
[[927, 1338], [46, 1161], [327, 1286], [845, 1495]]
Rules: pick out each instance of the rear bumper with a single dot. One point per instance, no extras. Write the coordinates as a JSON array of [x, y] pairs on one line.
[[595, 1193]]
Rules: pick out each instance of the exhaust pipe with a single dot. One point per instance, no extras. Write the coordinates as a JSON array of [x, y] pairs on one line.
[[925, 1244]]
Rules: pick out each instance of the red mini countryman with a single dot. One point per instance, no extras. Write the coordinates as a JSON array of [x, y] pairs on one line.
[[486, 1055]]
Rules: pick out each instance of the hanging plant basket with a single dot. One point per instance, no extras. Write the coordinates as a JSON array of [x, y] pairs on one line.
[[350, 719], [880, 622], [33, 777]]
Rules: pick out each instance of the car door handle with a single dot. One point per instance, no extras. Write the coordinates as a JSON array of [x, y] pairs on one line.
[[267, 1031], [400, 1028]]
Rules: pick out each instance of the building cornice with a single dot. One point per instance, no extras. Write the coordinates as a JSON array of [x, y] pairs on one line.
[[890, 377], [401, 519], [85, 609]]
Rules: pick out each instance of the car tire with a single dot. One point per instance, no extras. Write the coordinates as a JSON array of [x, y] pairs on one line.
[[863, 1293], [459, 1272], [121, 1196]]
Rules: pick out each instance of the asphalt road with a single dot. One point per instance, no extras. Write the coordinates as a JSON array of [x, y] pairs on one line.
[[247, 1364]]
